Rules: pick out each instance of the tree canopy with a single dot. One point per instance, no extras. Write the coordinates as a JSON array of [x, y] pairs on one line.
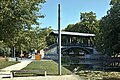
[[110, 29], [18, 14], [16, 20], [88, 24]]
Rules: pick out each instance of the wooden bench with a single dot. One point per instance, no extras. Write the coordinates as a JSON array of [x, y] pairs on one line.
[[12, 73]]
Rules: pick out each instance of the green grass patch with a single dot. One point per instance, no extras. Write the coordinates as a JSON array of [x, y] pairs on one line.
[[50, 66], [4, 64]]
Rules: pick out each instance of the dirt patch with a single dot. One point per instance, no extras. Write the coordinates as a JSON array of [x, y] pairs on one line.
[[99, 75]]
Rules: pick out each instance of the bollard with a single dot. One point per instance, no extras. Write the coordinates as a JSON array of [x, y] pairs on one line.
[[11, 74], [45, 73]]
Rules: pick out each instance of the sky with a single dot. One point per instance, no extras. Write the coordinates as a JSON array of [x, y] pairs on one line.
[[70, 11]]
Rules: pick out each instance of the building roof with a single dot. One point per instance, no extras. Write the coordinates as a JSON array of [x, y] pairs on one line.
[[73, 34]]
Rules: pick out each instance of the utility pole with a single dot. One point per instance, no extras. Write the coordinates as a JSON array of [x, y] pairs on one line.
[[59, 41]]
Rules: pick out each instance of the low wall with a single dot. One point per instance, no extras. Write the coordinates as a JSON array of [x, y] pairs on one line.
[[11, 59], [3, 59]]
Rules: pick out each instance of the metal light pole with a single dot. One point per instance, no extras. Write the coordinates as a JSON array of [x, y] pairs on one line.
[[59, 41]]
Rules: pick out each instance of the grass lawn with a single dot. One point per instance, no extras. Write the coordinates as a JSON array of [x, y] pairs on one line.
[[4, 64], [50, 66]]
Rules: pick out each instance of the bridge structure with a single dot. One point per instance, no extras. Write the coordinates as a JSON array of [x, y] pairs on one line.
[[79, 48], [72, 43]]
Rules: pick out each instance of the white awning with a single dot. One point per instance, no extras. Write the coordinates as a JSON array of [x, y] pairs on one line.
[[73, 34]]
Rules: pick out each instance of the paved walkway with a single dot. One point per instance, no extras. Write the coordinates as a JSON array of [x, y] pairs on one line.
[[17, 66], [5, 72], [63, 77]]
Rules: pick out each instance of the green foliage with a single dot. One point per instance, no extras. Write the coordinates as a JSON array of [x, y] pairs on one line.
[[4, 49], [16, 19], [110, 29], [88, 24], [34, 38], [50, 40], [27, 40], [70, 27], [18, 14]]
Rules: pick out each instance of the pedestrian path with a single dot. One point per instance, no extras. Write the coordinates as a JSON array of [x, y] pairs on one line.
[[5, 72], [62, 77]]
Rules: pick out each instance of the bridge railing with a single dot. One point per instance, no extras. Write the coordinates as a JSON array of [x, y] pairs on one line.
[[77, 44], [70, 44]]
